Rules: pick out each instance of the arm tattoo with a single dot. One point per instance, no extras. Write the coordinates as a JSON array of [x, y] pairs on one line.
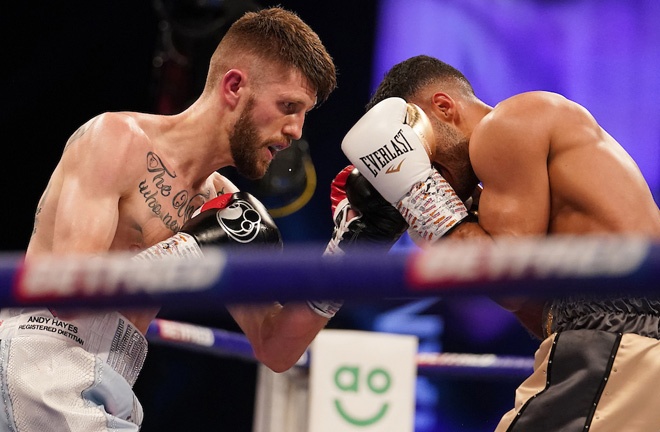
[[39, 207], [77, 134]]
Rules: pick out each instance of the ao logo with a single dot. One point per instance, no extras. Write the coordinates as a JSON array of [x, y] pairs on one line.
[[350, 380]]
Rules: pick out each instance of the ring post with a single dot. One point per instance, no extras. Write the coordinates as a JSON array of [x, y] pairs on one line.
[[357, 380]]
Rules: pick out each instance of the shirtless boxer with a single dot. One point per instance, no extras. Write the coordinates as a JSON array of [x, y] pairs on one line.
[[127, 181], [546, 168]]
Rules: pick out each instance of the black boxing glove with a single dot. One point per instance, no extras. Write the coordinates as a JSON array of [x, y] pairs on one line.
[[372, 221], [229, 220], [362, 217]]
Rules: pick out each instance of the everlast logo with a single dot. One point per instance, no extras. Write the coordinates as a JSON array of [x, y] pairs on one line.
[[377, 160]]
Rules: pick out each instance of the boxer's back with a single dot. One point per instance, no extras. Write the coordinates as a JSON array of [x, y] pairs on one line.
[[594, 185]]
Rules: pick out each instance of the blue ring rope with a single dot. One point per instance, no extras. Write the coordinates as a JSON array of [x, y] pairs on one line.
[[224, 343], [557, 265]]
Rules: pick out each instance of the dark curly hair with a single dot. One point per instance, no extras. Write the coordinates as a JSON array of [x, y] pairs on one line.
[[405, 79]]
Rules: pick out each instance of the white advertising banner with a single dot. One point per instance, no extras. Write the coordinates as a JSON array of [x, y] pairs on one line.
[[362, 381]]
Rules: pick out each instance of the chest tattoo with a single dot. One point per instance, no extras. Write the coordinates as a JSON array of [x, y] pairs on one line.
[[173, 207]]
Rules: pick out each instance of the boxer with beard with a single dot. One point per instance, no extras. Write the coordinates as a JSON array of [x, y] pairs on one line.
[[130, 181]]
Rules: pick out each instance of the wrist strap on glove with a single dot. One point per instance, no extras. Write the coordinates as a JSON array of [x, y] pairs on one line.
[[325, 308], [431, 208], [343, 227]]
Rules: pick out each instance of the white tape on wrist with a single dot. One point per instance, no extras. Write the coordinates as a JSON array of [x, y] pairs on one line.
[[342, 226], [325, 308], [431, 208], [180, 245]]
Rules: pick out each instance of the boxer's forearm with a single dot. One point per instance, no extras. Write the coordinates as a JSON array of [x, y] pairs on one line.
[[279, 335]]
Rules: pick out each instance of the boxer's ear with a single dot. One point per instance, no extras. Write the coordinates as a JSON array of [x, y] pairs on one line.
[[444, 106]]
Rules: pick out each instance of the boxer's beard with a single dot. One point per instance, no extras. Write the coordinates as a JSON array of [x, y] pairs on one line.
[[456, 158], [245, 146]]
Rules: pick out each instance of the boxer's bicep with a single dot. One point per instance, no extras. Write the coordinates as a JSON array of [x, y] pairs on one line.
[[513, 212], [92, 182], [512, 166], [85, 222]]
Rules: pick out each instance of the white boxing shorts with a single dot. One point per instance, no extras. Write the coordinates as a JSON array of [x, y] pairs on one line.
[[69, 374]]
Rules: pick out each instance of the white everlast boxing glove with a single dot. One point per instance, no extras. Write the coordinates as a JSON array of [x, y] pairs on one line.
[[391, 146]]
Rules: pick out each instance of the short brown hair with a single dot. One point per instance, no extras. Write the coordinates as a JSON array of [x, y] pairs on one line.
[[279, 36]]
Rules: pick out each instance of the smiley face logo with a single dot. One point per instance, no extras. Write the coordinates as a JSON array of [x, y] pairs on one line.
[[348, 379]]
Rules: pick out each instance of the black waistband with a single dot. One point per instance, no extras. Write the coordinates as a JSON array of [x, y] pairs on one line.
[[639, 315]]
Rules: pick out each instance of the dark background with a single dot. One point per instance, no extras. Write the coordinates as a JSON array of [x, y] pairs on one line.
[[65, 62]]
